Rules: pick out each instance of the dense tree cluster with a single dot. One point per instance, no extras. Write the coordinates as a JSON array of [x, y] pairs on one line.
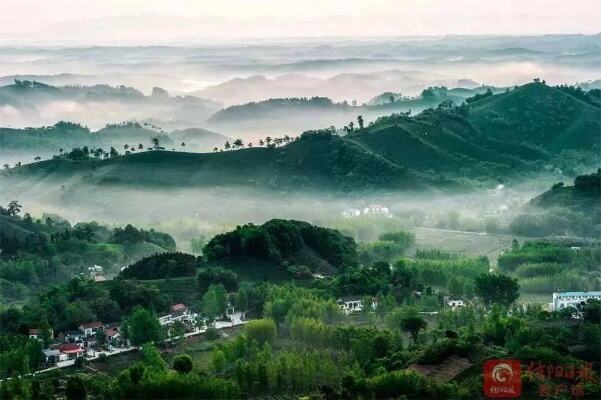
[[277, 240]]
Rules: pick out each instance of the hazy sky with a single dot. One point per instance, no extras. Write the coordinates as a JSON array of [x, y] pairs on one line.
[[160, 21]]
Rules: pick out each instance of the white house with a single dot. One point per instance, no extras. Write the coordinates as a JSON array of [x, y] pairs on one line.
[[350, 304], [563, 300], [70, 351], [178, 312], [455, 303]]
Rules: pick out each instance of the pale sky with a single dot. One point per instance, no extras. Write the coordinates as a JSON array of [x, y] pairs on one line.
[[162, 21]]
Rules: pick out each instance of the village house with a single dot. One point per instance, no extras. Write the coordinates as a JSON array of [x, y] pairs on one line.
[[39, 333], [72, 336], [351, 213], [177, 312], [95, 270], [113, 337], [350, 304], [71, 350], [52, 356], [90, 328]]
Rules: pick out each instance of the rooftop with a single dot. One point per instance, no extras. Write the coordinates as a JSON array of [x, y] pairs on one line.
[[69, 348], [178, 307], [92, 325]]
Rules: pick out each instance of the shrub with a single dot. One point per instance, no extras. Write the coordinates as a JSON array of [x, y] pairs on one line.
[[212, 333], [183, 364]]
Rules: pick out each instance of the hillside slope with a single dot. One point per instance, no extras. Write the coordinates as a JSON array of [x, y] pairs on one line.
[[437, 148], [540, 115]]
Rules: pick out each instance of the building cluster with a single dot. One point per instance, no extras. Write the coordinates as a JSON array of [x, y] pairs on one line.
[[85, 341], [92, 338]]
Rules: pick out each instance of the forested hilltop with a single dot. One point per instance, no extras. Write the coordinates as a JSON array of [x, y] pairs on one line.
[[490, 139]]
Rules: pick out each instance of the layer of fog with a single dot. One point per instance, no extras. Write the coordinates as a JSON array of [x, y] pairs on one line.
[[187, 213], [237, 73]]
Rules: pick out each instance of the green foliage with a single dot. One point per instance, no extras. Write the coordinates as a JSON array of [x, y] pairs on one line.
[[38, 253], [183, 364], [142, 327], [214, 302], [214, 276], [407, 320], [76, 389], [389, 246], [261, 330], [130, 234], [497, 289], [277, 240], [212, 333]]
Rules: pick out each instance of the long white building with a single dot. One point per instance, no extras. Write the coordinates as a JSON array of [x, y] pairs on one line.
[[563, 300]]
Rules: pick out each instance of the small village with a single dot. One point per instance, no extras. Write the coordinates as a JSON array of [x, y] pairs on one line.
[[96, 339]]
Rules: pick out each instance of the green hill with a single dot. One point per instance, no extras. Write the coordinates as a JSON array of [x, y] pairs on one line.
[[540, 115]]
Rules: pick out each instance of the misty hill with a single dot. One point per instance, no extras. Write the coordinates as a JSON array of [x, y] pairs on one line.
[[564, 210], [584, 196], [37, 103], [40, 251], [315, 112], [437, 148], [359, 85], [28, 143], [316, 160]]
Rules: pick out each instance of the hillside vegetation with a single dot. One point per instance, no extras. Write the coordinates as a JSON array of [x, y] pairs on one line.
[[478, 142]]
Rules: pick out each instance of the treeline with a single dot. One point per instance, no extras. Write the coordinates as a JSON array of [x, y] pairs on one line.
[[545, 267]]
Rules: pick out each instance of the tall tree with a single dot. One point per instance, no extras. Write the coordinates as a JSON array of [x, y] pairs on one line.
[[143, 327], [497, 288]]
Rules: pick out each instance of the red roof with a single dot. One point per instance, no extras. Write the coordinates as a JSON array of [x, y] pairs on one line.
[[69, 348], [91, 325], [178, 307]]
